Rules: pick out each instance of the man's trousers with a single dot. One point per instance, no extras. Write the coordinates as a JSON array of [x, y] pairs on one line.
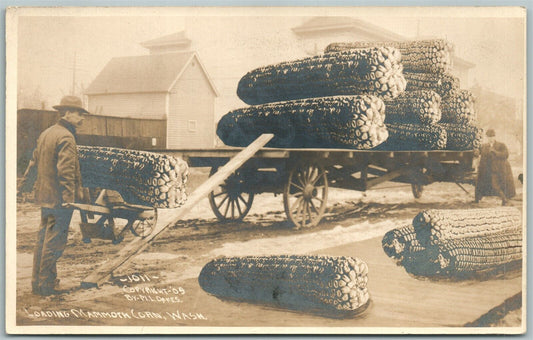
[[51, 242]]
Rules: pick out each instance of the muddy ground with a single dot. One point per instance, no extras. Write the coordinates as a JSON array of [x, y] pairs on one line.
[[173, 261]]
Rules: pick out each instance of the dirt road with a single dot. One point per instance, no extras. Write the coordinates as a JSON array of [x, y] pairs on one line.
[[159, 287]]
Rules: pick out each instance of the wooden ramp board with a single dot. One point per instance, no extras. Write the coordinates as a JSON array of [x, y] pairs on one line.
[[168, 217]]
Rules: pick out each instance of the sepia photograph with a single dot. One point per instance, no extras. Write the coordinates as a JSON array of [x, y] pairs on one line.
[[266, 170]]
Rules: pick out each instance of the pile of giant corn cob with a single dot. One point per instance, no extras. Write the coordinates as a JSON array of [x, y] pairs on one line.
[[457, 243], [330, 285], [141, 177], [433, 113], [331, 100], [413, 78]]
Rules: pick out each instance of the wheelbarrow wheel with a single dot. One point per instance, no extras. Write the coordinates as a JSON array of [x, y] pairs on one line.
[[229, 202], [417, 189], [145, 226], [305, 195]]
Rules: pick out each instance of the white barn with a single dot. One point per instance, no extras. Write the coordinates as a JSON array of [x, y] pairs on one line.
[[172, 86]]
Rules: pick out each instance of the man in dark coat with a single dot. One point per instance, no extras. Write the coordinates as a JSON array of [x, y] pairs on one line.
[[495, 177], [54, 172]]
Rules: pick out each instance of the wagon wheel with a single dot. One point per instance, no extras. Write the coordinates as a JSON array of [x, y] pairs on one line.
[[229, 202], [305, 195], [417, 189], [144, 226]]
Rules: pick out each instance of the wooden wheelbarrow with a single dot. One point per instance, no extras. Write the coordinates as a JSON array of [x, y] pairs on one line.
[[98, 218]]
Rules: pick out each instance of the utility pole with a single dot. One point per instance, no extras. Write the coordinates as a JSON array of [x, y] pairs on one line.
[[74, 76]]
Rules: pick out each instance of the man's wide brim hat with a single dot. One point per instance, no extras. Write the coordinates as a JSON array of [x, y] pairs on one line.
[[71, 102]]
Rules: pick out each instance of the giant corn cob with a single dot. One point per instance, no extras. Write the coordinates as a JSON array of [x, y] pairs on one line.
[[463, 136], [140, 177], [437, 226], [414, 137], [318, 283], [343, 121], [431, 56], [443, 84], [458, 107], [415, 107], [369, 71], [476, 254], [400, 241]]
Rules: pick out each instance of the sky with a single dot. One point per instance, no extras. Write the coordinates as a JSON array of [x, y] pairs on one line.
[[50, 46]]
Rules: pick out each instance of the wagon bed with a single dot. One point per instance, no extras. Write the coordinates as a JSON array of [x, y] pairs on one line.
[[303, 176]]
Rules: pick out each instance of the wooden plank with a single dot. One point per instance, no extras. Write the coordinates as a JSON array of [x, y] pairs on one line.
[[168, 217]]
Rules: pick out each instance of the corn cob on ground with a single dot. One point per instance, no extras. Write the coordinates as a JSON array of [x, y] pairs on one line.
[[370, 71], [305, 283], [141, 177], [414, 137], [435, 226], [342, 121], [400, 241], [421, 107], [430, 56], [463, 136], [443, 84], [459, 107], [420, 263], [476, 254]]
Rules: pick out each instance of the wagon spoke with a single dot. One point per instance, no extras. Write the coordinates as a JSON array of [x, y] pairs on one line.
[[222, 202], [302, 212], [313, 206], [220, 193], [243, 200], [297, 186], [238, 206], [296, 203], [312, 172], [319, 199], [318, 177], [227, 208], [232, 209], [302, 182], [308, 211]]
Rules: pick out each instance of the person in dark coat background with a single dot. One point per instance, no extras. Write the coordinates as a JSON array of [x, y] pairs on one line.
[[54, 172], [495, 177]]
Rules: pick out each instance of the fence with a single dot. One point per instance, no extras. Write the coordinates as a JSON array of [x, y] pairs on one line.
[[129, 133]]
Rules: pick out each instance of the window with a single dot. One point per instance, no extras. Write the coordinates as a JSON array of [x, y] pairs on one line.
[[191, 125]]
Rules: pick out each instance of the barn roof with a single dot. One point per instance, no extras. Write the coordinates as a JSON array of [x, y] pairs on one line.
[[143, 74]]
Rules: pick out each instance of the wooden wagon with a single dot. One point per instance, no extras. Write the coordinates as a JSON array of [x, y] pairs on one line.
[[303, 176]]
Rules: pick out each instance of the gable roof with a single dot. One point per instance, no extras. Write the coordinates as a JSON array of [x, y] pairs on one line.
[[143, 74], [322, 24], [177, 38]]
